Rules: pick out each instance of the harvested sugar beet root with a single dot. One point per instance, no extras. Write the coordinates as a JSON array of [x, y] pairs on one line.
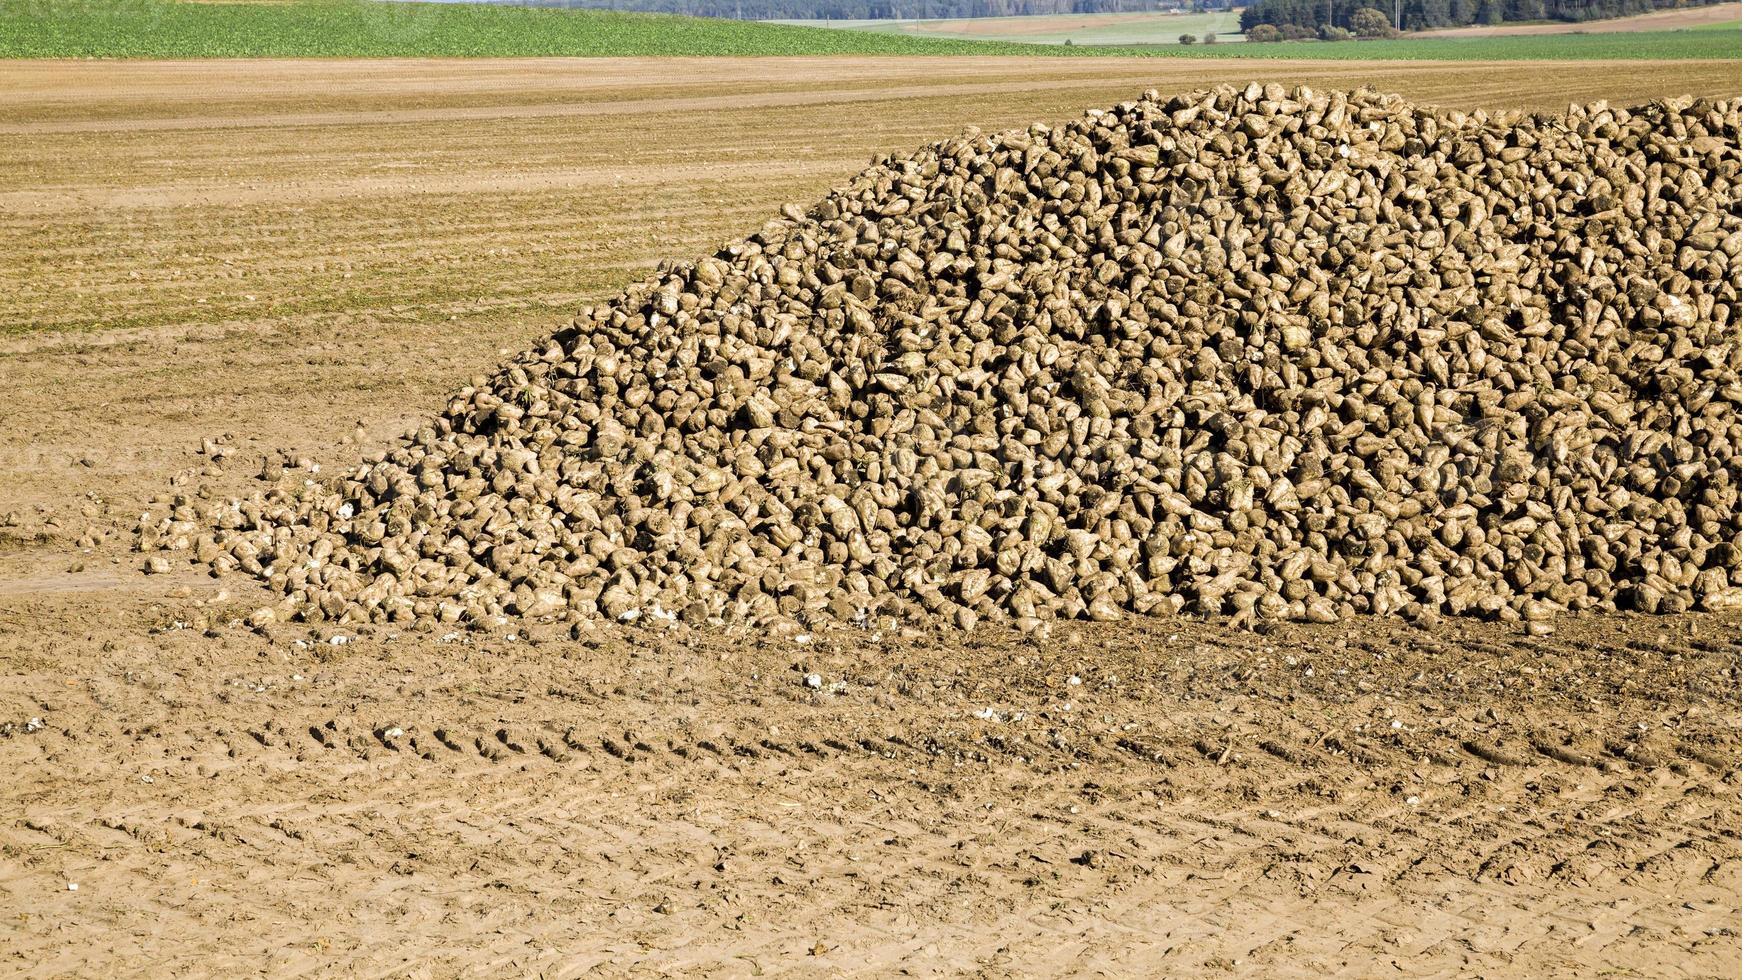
[[1274, 353]]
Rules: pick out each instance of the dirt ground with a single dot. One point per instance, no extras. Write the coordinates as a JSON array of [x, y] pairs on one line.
[[309, 255]]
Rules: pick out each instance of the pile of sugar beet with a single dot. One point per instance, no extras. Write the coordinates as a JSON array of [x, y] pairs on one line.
[[1271, 354]]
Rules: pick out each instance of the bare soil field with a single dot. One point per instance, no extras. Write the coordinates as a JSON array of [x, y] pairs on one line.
[[310, 255], [1677, 19]]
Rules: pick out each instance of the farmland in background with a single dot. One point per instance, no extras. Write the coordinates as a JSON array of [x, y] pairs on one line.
[[384, 28], [1079, 29], [373, 28], [1720, 16]]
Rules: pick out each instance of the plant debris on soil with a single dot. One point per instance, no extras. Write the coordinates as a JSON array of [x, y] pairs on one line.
[[1269, 353]]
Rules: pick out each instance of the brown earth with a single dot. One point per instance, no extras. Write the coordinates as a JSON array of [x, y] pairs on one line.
[[1678, 19], [281, 250]]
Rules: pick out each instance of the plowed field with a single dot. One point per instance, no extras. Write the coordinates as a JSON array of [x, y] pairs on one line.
[[309, 255]]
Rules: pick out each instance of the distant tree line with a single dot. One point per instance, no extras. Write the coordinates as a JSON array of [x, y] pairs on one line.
[[1314, 15], [862, 9]]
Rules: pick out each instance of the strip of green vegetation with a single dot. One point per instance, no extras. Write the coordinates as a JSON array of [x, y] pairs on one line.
[[381, 28]]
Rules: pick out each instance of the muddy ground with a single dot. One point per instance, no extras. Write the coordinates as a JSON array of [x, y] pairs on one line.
[[309, 255]]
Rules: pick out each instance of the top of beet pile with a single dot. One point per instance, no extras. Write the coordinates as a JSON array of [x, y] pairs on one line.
[[1269, 353]]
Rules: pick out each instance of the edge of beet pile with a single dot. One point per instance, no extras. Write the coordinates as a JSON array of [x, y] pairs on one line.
[[1267, 353]]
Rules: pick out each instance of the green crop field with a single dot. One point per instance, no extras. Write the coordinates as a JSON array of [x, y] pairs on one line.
[[373, 28], [376, 28]]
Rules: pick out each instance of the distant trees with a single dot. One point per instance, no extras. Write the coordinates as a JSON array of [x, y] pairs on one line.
[[1188, 39], [1425, 14], [1368, 22], [1263, 34]]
